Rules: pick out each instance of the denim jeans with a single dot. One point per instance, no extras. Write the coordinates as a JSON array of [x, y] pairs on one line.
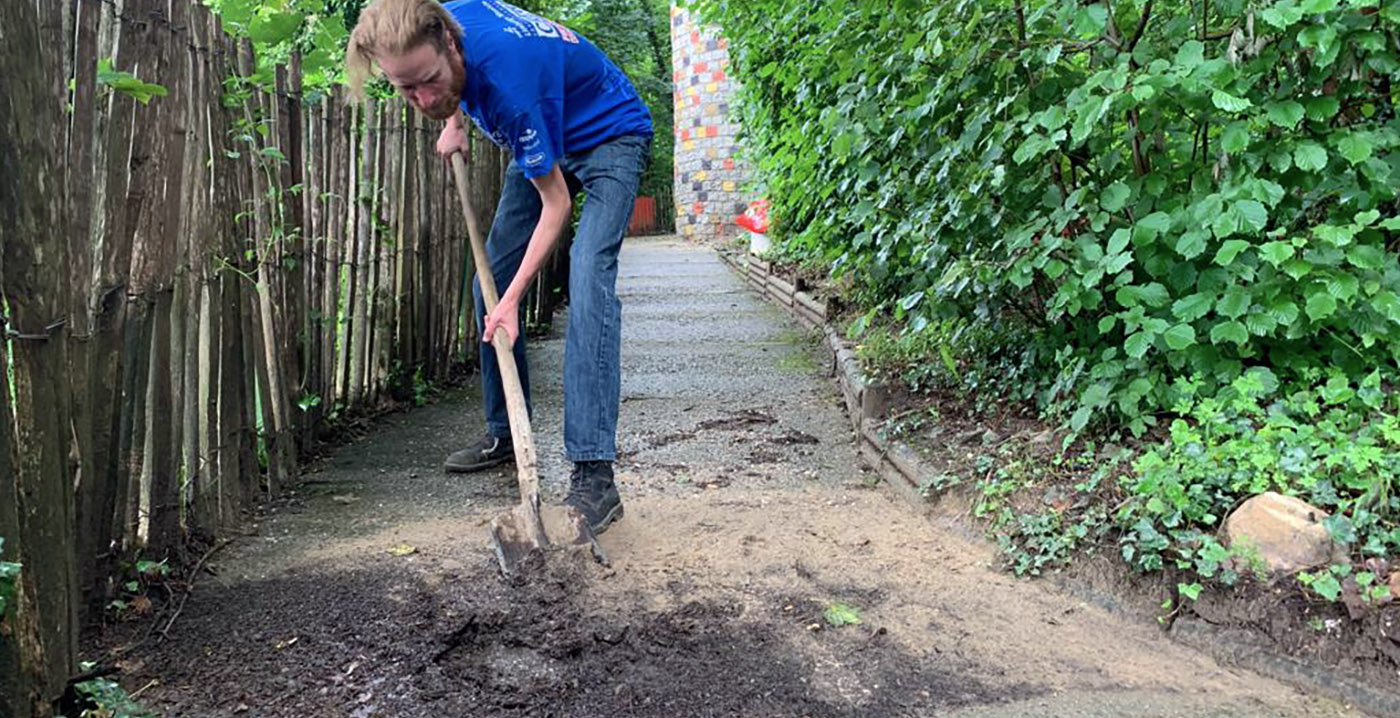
[[608, 175]]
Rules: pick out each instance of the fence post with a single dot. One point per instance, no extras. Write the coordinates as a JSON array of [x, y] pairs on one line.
[[33, 253]]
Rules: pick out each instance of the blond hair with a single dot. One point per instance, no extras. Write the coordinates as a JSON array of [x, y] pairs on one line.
[[394, 27]]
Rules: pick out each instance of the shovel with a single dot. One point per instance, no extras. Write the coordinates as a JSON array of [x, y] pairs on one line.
[[519, 536]]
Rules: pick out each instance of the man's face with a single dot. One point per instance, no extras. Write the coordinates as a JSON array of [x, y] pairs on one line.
[[430, 80]]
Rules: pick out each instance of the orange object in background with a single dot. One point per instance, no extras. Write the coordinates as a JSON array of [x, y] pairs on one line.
[[755, 218]]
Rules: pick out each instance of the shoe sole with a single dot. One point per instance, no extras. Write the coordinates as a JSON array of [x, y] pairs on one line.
[[469, 468]]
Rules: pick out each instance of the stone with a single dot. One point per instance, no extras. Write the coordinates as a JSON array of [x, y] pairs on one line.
[[1285, 532]]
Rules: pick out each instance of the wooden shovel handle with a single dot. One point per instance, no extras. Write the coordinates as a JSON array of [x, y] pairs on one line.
[[522, 436]]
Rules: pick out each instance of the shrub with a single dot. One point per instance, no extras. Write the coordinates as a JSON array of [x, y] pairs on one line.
[[1155, 191]]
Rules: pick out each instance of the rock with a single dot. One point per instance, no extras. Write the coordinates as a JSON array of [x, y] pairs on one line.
[[1286, 532]]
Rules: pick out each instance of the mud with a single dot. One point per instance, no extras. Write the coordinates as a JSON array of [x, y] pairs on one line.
[[371, 591]]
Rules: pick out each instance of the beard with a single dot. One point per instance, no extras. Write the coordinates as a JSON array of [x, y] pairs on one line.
[[447, 106]]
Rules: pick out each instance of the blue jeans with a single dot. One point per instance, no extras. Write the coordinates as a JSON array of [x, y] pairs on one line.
[[608, 175]]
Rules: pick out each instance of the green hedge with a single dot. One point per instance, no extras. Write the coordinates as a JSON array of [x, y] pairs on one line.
[[1159, 190]]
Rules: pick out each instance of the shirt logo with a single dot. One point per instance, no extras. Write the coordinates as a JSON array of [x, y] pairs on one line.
[[534, 159]]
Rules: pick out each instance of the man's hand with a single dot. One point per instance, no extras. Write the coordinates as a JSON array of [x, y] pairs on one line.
[[453, 137], [506, 316]]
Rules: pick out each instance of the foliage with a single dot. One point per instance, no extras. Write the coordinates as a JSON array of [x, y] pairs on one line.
[[1156, 191], [9, 581], [842, 614], [107, 699], [1338, 580], [1336, 445], [139, 578], [318, 29], [635, 34], [984, 363], [128, 84], [1039, 513]]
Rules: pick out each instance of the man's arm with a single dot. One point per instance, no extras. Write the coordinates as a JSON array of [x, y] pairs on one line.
[[557, 205]]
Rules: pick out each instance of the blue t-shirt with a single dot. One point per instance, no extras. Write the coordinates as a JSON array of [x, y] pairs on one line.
[[539, 89]]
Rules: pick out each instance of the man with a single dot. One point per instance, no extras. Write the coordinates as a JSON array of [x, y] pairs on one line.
[[573, 122]]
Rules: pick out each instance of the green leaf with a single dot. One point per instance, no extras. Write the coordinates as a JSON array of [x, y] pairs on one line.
[[1340, 528], [1087, 115], [1284, 311], [1115, 196], [1154, 295], [841, 614], [1090, 21], [275, 28], [1033, 147], [1327, 586], [1355, 147], [1138, 344], [1118, 242], [1276, 253], [1320, 305], [1234, 303], [1367, 218], [1107, 323], [1335, 235], [1192, 244], [1225, 224], [1191, 54], [1343, 287], [1309, 156], [1231, 331], [128, 84], [1286, 114], [1148, 228], [1388, 304], [1323, 38], [1260, 325], [1189, 590], [1253, 215], [1229, 251], [1081, 417], [1193, 307], [1228, 102], [1317, 7], [1235, 138], [1297, 268], [1180, 336], [1324, 108]]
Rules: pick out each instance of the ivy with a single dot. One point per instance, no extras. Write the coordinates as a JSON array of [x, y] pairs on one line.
[[1158, 194]]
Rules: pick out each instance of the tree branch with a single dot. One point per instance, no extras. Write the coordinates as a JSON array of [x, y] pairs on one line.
[[1141, 26]]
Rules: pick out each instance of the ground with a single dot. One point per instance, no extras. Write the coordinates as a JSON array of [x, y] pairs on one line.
[[372, 592]]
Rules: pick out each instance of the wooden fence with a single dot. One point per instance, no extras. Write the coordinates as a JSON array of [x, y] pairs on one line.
[[192, 288]]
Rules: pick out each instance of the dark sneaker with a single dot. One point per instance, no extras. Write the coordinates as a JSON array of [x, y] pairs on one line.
[[593, 493], [488, 452]]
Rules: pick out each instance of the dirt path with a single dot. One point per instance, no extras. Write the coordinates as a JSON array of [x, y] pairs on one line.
[[747, 516]]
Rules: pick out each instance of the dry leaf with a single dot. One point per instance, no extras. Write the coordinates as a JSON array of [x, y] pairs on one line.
[[402, 549]]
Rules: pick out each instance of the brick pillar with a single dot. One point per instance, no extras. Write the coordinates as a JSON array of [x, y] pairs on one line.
[[709, 175]]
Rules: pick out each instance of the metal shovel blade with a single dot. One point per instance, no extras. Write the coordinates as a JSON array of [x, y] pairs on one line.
[[520, 536]]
